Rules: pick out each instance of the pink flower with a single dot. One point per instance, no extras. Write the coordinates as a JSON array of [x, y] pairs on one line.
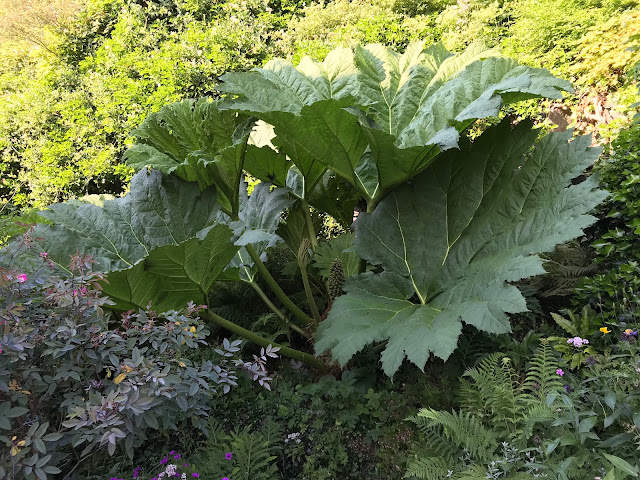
[[560, 372], [44, 254], [228, 455], [22, 278], [75, 292]]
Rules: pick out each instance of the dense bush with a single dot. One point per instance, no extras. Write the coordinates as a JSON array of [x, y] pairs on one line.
[[71, 382], [614, 291]]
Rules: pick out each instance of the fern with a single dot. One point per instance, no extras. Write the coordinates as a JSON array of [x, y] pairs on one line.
[[463, 429], [475, 472], [430, 468], [542, 379], [496, 406], [253, 453], [495, 387]]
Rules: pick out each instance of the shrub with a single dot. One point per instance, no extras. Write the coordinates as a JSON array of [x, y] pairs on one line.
[[71, 381]]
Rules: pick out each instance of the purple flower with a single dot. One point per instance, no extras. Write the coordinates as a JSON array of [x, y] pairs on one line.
[[164, 460], [136, 472], [185, 465], [196, 475], [172, 452], [629, 335], [568, 388], [228, 455], [578, 342], [225, 478], [560, 372], [177, 457], [21, 279]]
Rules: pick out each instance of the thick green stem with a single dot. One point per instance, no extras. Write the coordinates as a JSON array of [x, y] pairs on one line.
[[309, 222], [266, 300], [277, 311], [263, 342], [273, 285], [307, 290]]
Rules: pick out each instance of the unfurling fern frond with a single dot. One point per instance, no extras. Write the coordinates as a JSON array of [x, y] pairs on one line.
[[542, 379], [464, 430], [430, 468]]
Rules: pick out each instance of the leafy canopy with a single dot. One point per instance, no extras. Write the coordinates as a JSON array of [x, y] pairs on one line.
[[377, 117]]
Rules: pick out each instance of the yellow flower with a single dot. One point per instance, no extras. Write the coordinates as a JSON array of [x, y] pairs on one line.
[[628, 331], [119, 378], [178, 323], [21, 443], [108, 373], [605, 330], [182, 364], [193, 329]]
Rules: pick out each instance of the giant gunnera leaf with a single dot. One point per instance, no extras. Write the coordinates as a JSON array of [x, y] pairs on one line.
[[377, 117], [197, 142], [451, 241], [158, 210]]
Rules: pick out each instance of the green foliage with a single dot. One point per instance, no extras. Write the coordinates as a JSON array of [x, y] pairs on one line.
[[544, 431], [490, 207], [67, 378], [252, 456], [350, 428], [467, 243], [408, 115], [613, 292], [547, 33], [65, 117]]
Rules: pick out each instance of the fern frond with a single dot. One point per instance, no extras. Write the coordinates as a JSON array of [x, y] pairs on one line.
[[253, 456], [475, 472], [495, 386], [435, 442], [430, 468], [464, 430], [536, 413], [542, 379]]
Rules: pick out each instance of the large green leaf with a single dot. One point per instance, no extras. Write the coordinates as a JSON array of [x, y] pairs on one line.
[[452, 240], [158, 210], [182, 135], [377, 117], [171, 276], [257, 223], [196, 141]]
